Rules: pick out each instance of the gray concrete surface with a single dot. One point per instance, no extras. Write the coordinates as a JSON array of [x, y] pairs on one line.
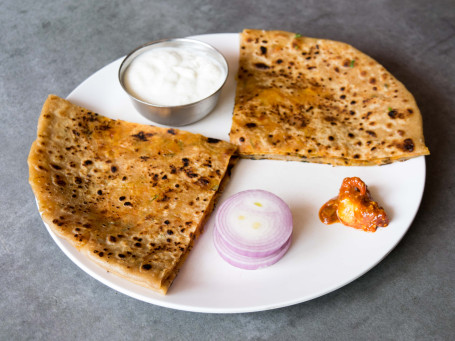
[[51, 46]]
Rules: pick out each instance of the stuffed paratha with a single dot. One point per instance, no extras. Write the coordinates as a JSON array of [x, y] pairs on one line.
[[131, 197], [323, 101]]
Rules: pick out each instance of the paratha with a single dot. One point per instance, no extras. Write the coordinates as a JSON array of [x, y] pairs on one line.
[[132, 197], [318, 100]]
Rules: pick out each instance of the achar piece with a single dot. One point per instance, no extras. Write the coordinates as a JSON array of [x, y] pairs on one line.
[[354, 207]]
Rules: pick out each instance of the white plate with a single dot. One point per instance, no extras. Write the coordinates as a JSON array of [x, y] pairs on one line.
[[321, 258]]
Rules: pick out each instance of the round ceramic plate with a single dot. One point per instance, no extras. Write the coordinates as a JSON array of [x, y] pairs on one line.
[[321, 258]]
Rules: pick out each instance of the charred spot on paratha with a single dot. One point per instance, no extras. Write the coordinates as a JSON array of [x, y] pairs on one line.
[[141, 136], [212, 140], [407, 145], [262, 66]]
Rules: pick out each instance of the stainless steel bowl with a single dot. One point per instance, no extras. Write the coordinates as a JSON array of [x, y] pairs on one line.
[[181, 114]]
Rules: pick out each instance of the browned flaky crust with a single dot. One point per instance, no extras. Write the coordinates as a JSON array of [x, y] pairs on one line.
[[131, 197], [322, 101]]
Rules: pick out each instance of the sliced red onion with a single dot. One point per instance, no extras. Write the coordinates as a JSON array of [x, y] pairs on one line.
[[247, 262], [253, 229]]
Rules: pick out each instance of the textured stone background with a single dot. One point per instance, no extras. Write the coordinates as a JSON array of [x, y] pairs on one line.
[[52, 46]]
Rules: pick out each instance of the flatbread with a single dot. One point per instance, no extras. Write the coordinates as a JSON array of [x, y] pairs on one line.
[[132, 197], [318, 100]]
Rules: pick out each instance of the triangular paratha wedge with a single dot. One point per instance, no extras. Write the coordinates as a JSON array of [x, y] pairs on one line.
[[322, 101], [132, 197]]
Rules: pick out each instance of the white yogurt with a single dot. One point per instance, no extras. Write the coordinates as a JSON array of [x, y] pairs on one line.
[[172, 76]]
